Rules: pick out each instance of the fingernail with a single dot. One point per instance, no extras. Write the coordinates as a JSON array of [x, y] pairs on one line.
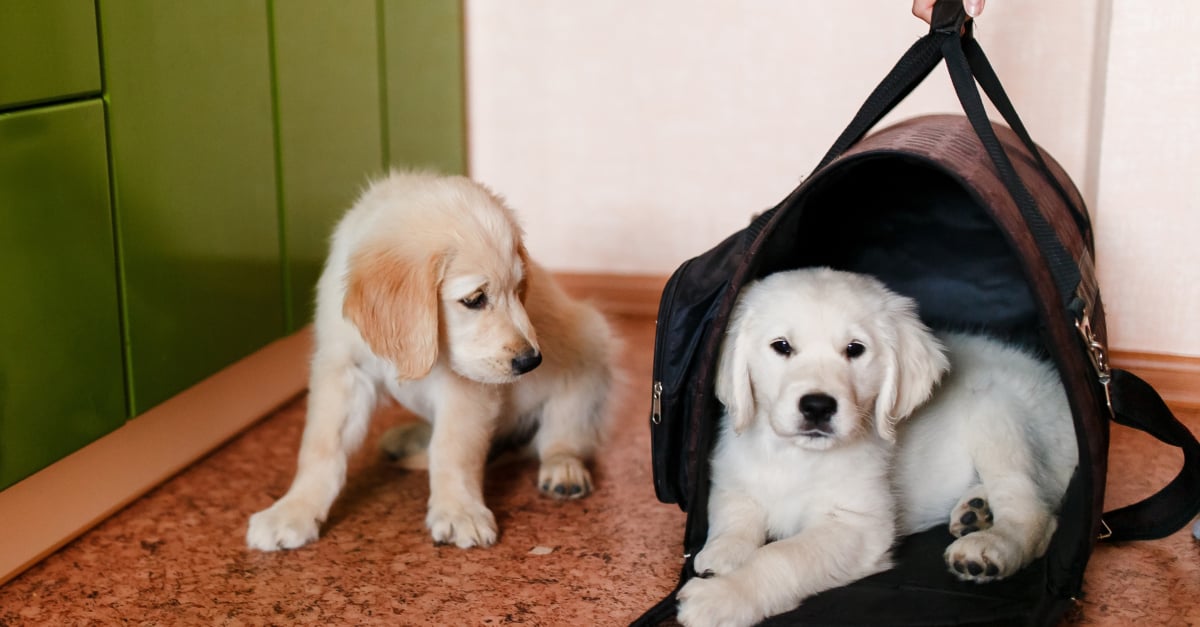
[[973, 7]]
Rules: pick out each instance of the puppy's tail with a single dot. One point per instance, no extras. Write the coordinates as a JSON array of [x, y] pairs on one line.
[[408, 444]]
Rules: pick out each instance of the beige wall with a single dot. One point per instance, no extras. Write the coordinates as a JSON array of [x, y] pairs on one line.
[[1148, 202], [631, 136]]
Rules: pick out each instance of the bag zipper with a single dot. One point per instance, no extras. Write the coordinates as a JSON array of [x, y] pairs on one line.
[[665, 306], [656, 403]]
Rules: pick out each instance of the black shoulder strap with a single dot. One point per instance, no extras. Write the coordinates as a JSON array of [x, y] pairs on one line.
[[1136, 404]]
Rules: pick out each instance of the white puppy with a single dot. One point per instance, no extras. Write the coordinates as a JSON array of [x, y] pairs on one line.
[[817, 369], [429, 297]]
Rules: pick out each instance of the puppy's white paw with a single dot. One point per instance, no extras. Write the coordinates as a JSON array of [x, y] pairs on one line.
[[287, 524], [462, 524], [715, 602], [983, 556], [722, 554], [971, 514], [564, 477]]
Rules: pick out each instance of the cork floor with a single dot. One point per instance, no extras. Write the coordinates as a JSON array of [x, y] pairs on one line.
[[177, 556]]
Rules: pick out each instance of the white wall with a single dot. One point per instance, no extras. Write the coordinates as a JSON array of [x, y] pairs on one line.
[[631, 136], [1148, 218]]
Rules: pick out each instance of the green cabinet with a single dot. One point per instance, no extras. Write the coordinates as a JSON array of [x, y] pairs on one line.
[[48, 51], [361, 85], [330, 140], [190, 122], [240, 131], [61, 381], [155, 235], [426, 111]]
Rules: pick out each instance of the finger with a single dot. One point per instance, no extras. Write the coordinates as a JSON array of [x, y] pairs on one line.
[[923, 9]]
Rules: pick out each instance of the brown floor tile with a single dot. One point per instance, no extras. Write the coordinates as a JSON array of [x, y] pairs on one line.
[[177, 556]]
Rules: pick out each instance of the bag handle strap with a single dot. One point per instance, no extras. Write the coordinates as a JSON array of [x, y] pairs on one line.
[[949, 29], [990, 82], [1063, 269], [948, 21], [912, 68], [1136, 404]]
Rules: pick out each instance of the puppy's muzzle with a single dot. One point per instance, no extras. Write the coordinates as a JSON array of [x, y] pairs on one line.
[[526, 361], [818, 411]]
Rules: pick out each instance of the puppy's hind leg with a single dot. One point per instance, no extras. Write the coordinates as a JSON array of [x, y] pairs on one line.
[[340, 403], [1022, 522], [572, 426]]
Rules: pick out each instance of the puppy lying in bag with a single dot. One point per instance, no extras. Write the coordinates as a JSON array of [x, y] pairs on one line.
[[831, 444]]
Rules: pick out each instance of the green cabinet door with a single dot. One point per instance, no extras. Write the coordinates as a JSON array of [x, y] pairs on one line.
[[330, 142], [355, 81], [426, 119], [48, 51], [190, 122], [61, 376]]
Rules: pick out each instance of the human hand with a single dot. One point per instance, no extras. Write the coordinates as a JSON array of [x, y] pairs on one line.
[[924, 8]]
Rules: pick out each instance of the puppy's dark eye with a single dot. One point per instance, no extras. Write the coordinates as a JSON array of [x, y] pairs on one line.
[[855, 349], [478, 300], [782, 347]]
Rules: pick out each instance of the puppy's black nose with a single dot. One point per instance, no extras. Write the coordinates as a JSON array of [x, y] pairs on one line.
[[525, 362], [818, 407]]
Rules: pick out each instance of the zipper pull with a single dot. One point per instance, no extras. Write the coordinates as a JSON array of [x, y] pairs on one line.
[[656, 403]]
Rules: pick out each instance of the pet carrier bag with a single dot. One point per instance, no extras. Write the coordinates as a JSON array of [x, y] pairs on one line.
[[985, 231]]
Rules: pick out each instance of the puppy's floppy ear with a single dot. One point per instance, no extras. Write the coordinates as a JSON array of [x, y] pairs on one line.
[[734, 388], [913, 360], [393, 301]]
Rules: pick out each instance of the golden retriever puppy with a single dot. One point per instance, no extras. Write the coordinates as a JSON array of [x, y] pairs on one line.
[[814, 474], [429, 297]]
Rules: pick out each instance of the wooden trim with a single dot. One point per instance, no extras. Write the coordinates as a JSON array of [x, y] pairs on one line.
[[1176, 377], [56, 505], [616, 294]]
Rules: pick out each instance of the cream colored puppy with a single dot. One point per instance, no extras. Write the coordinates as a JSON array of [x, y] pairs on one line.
[[814, 475], [428, 297]]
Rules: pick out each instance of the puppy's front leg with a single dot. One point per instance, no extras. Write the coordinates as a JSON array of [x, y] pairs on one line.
[[340, 402], [737, 525], [462, 434], [778, 576]]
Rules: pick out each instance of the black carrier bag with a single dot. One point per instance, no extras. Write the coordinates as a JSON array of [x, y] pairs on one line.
[[985, 231]]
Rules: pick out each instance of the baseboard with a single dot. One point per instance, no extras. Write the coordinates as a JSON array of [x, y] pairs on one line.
[[57, 504], [1176, 377], [634, 295]]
